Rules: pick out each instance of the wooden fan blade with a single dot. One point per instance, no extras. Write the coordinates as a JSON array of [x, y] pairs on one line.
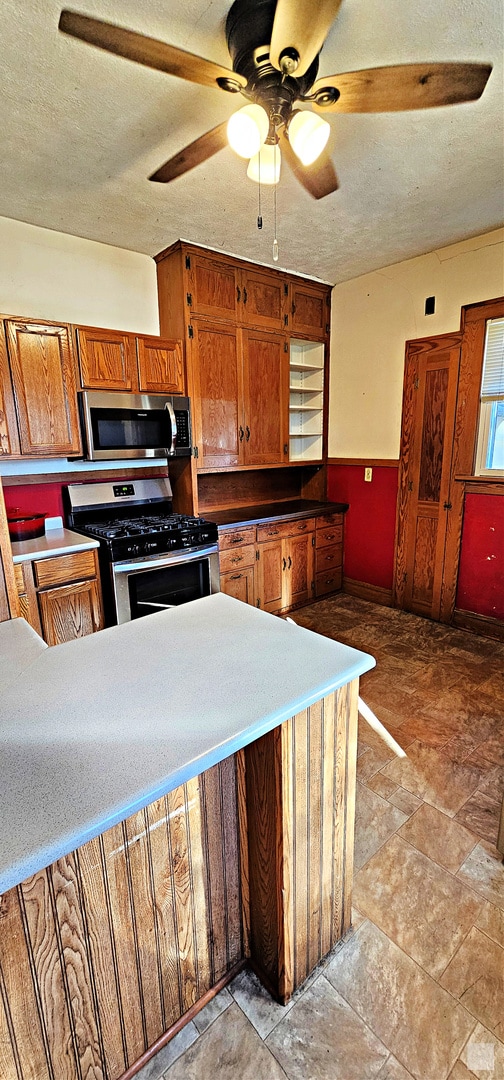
[[198, 151], [318, 179], [404, 86], [146, 50], [301, 25]]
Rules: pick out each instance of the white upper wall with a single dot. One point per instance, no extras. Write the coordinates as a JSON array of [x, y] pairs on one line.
[[55, 276], [372, 318]]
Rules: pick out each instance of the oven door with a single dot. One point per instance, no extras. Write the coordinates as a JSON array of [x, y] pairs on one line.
[[144, 586]]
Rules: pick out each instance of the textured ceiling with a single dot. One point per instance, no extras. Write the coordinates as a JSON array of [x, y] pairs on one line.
[[81, 130]]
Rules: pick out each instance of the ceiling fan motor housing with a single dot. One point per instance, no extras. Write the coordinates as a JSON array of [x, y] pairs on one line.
[[248, 33]]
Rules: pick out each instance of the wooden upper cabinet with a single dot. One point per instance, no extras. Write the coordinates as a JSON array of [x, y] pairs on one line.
[[107, 359], [212, 287], [160, 366], [111, 360], [262, 300], [265, 401], [310, 309], [216, 368], [9, 438], [43, 380]]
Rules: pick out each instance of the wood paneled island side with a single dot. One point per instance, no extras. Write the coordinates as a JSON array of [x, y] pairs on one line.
[[178, 799]]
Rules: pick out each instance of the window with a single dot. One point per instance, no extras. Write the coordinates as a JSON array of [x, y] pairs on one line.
[[490, 448]]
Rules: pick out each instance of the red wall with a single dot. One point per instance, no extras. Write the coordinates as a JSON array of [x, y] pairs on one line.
[[481, 571], [370, 521], [46, 498]]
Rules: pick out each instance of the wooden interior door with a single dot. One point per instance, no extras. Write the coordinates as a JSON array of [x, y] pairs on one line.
[[266, 395], [217, 374], [43, 378], [429, 408]]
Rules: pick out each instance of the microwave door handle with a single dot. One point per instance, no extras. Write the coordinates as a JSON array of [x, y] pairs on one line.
[[171, 411]]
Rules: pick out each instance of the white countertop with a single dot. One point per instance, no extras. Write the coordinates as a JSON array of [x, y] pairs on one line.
[[58, 541], [102, 726], [20, 645]]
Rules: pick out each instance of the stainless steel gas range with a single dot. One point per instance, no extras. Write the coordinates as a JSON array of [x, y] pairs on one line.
[[150, 558]]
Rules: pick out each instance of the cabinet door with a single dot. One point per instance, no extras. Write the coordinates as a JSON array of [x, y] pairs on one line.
[[266, 395], [9, 440], [310, 309], [300, 582], [44, 387], [262, 300], [216, 367], [160, 366], [107, 359], [270, 575], [70, 611], [213, 287], [240, 584]]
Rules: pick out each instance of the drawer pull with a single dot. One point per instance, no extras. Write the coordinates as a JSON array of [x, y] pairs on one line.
[[329, 536], [236, 577], [302, 526], [236, 540], [237, 558], [272, 532]]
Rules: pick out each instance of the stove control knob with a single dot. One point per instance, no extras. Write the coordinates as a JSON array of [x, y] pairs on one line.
[[151, 545], [133, 549]]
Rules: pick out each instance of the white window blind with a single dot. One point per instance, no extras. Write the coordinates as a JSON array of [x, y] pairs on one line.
[[492, 387]]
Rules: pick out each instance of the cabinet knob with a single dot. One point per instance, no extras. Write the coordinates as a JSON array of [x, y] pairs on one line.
[[247, 433], [241, 431], [284, 564], [289, 563]]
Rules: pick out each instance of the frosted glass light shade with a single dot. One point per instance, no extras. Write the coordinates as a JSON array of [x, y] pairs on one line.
[[308, 135], [264, 167], [247, 129]]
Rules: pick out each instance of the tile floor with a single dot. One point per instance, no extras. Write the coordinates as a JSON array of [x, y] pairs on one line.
[[417, 987]]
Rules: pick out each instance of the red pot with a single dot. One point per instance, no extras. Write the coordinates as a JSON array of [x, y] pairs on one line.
[[23, 526]]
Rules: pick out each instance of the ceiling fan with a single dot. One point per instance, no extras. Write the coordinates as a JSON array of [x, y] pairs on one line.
[[274, 47]]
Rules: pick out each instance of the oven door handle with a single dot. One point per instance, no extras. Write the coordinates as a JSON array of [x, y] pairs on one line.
[[171, 412], [153, 562], [154, 603]]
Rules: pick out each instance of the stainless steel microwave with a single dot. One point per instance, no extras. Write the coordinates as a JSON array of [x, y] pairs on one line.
[[134, 425]]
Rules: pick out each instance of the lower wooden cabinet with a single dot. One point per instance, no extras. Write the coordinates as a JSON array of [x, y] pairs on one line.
[[282, 564], [61, 596], [328, 554]]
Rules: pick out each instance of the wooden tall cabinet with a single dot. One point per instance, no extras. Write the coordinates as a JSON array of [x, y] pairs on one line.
[[236, 319], [38, 390]]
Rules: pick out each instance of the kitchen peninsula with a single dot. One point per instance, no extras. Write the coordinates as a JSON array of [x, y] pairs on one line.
[[177, 797]]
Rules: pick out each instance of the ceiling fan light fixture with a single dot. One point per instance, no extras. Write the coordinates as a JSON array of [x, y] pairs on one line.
[[308, 135], [247, 129], [264, 167]]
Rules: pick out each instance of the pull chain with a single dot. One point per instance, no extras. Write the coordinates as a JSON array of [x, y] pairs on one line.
[[259, 215], [275, 241]]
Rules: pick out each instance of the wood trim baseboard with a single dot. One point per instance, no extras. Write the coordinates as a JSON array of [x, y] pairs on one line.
[[478, 624], [374, 593], [482, 485], [374, 463], [182, 1021]]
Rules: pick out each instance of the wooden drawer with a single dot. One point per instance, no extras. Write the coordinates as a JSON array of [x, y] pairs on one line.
[[329, 581], [329, 558], [233, 537], [278, 530], [236, 559], [61, 569], [331, 534], [324, 520]]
